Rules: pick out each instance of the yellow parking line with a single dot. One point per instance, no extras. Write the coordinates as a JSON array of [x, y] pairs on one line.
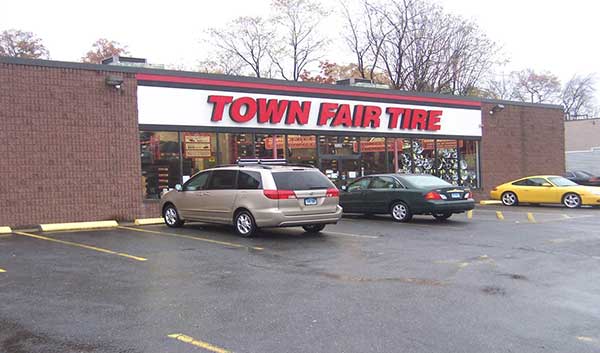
[[470, 214], [530, 217], [2, 270], [194, 342], [499, 215], [194, 238], [89, 247]]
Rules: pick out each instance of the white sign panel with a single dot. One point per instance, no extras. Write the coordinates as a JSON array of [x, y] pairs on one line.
[[212, 108]]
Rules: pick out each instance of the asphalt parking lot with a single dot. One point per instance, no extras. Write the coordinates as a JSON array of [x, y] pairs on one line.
[[521, 279]]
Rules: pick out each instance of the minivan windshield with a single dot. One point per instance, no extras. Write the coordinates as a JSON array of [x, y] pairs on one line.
[[301, 180], [424, 181], [560, 181]]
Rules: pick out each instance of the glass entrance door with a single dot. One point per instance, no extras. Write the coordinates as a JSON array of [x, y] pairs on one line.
[[340, 158]]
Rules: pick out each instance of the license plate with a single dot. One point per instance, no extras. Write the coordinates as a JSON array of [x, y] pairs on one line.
[[455, 195], [311, 201]]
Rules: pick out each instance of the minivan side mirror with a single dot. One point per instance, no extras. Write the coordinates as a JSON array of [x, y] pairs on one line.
[[178, 187], [344, 188]]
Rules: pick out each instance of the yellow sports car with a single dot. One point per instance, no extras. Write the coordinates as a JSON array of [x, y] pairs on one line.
[[546, 189]]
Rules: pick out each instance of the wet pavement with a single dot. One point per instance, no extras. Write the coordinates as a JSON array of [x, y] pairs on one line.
[[521, 279]]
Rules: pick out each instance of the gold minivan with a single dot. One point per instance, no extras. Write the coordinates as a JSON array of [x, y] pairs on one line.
[[255, 194]]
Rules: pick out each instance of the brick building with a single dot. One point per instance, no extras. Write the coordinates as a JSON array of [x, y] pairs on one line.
[[90, 142]]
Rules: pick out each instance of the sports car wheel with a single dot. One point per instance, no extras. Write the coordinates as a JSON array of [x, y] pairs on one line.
[[509, 198], [171, 216], [571, 200], [400, 212]]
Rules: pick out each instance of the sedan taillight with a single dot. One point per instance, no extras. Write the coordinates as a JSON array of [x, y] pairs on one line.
[[332, 192], [279, 194], [433, 195], [468, 195]]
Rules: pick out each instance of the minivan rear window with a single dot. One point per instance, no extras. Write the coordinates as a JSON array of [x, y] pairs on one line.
[[302, 180]]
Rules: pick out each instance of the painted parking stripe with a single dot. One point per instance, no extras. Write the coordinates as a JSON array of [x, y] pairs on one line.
[[2, 270], [197, 343], [351, 235], [84, 246], [499, 215], [193, 237], [530, 217], [470, 214]]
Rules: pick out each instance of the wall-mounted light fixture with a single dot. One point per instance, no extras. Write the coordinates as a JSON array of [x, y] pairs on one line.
[[496, 109], [114, 81]]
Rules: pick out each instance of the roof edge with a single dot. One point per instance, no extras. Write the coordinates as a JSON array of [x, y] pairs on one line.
[[135, 70]]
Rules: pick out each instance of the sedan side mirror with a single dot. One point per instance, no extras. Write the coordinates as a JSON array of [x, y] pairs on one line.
[[178, 187]]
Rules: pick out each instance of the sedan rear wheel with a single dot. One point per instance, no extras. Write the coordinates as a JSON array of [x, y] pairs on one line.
[[572, 200], [509, 198], [400, 212], [442, 216]]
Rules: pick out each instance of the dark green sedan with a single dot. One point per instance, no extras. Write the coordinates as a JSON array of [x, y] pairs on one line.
[[405, 195]]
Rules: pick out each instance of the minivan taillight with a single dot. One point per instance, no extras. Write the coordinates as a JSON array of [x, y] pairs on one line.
[[279, 194], [332, 192], [432, 195]]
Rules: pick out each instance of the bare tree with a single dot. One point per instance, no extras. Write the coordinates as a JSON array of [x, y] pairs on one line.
[[500, 86], [297, 22], [420, 47], [222, 64], [102, 49], [21, 44], [578, 96], [535, 87], [248, 39]]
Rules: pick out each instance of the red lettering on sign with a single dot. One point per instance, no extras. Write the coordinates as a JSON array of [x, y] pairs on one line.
[[433, 121], [419, 119], [342, 116], [271, 111], [297, 113], [326, 112], [359, 111], [371, 118], [394, 114], [406, 116], [219, 106], [235, 109]]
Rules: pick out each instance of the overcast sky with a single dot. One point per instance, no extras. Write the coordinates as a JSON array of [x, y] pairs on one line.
[[559, 36]]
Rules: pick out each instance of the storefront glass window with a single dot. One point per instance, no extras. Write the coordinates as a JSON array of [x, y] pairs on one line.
[[235, 146], [404, 155], [469, 163], [447, 161], [423, 156], [301, 149], [373, 155], [160, 162], [339, 145], [199, 152], [263, 145]]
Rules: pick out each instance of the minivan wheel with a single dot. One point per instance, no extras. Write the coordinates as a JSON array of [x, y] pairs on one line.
[[400, 212], [572, 200], [244, 224], [171, 217], [313, 228]]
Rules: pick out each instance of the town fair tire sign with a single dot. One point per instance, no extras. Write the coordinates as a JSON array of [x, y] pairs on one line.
[[167, 106]]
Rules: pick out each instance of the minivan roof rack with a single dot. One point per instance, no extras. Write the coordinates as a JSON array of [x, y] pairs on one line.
[[263, 161]]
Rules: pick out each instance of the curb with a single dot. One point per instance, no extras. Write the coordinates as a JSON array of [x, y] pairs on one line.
[[78, 225], [5, 230], [490, 202], [148, 221]]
